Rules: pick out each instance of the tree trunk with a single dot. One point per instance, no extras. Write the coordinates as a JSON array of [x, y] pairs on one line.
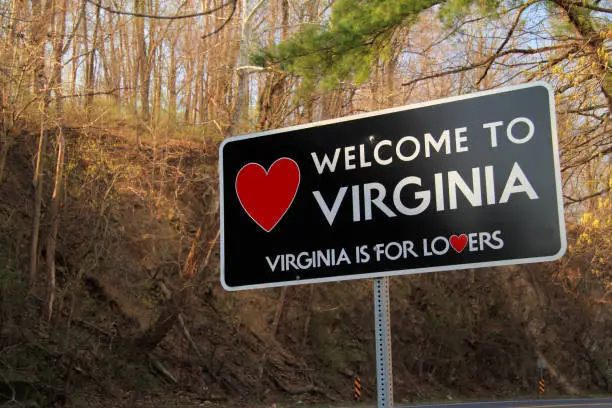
[[58, 53], [91, 60], [85, 43], [130, 73], [240, 110], [153, 62], [143, 63], [172, 82], [187, 88], [106, 69], [201, 110], [38, 191], [16, 11], [5, 94], [157, 85], [240, 105], [115, 64], [197, 95], [76, 49], [391, 98], [55, 220], [38, 41], [583, 24]]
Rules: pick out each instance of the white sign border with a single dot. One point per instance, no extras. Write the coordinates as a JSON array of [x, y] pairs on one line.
[[555, 146]]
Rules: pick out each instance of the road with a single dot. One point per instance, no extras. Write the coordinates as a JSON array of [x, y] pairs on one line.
[[543, 403]]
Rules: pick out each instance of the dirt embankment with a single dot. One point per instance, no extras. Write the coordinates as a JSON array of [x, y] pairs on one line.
[[128, 224]]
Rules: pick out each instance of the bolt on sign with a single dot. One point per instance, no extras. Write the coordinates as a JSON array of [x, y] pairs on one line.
[[465, 182]]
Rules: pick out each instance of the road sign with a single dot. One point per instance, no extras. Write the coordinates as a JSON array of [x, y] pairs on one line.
[[541, 363], [465, 182]]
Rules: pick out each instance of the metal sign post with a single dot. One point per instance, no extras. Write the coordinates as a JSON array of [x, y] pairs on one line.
[[384, 371], [541, 372]]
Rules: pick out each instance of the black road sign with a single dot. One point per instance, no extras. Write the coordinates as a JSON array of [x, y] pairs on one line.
[[464, 182]]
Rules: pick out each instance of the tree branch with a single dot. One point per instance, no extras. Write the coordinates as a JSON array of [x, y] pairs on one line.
[[506, 40], [156, 16], [585, 109], [252, 12], [588, 159], [581, 199], [584, 4], [227, 20], [487, 60], [107, 92], [251, 68]]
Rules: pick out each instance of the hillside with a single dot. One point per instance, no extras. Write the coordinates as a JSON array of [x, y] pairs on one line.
[[111, 116], [140, 319]]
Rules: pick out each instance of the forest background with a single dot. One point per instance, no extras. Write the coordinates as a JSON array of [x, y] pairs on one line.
[[111, 113]]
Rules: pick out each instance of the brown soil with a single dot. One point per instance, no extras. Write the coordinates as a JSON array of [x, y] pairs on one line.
[[128, 221]]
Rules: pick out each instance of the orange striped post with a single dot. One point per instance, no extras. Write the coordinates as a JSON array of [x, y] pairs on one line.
[[541, 386], [356, 388]]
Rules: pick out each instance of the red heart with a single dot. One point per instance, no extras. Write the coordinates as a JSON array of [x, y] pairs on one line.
[[458, 242], [267, 195]]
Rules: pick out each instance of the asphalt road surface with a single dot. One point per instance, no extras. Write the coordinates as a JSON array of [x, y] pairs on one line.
[[543, 403]]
